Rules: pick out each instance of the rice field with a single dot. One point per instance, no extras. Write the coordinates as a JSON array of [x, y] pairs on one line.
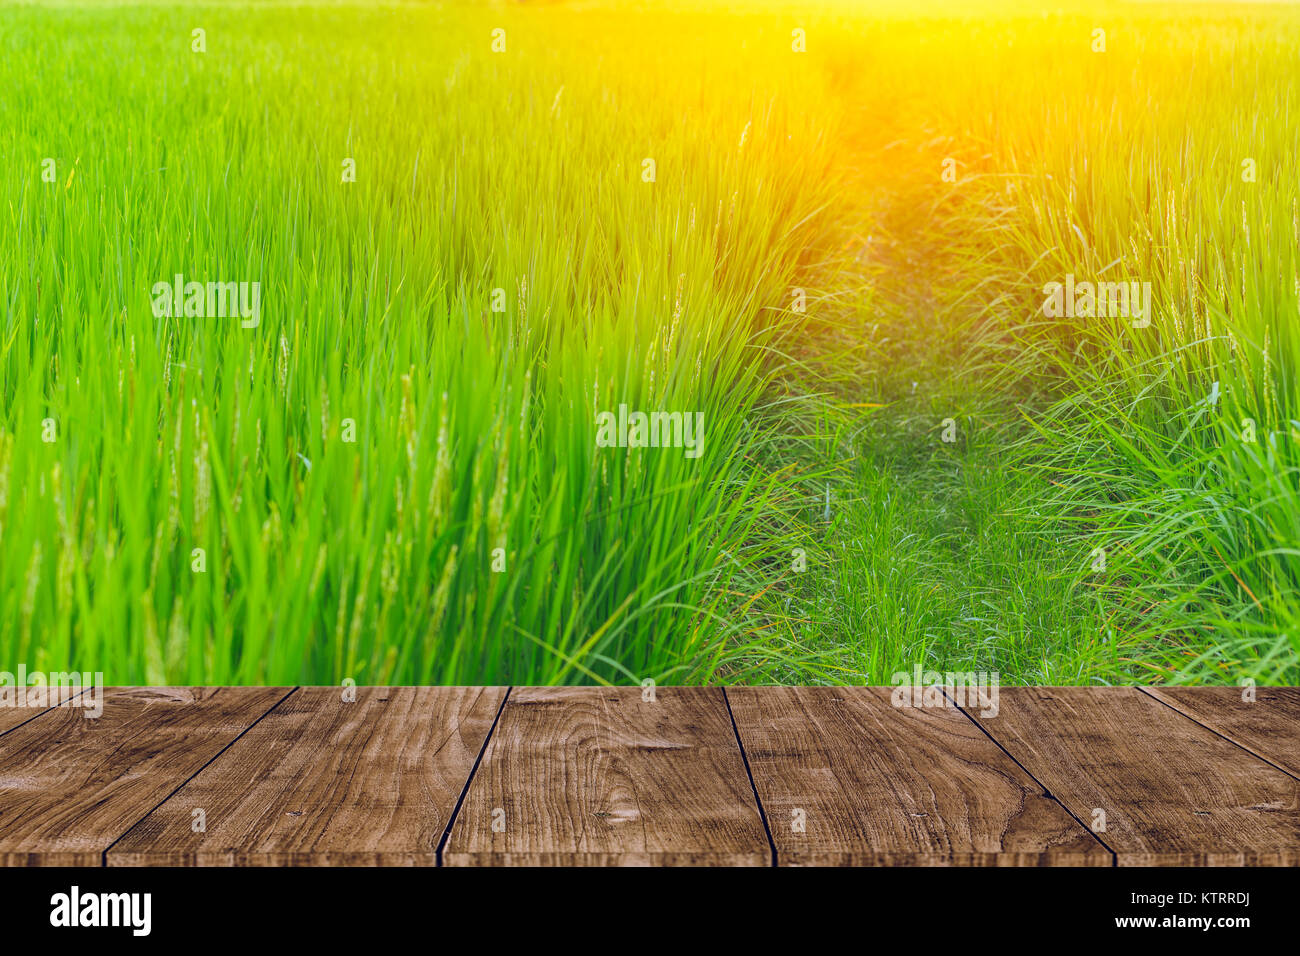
[[612, 342]]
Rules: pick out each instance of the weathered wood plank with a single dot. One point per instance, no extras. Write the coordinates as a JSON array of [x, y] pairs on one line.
[[1172, 792], [70, 785], [600, 776], [324, 782], [1268, 725], [848, 779], [15, 711]]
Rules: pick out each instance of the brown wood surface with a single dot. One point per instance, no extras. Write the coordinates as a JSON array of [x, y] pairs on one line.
[[1267, 725], [322, 781], [70, 785], [15, 716], [599, 776], [1189, 776], [1173, 793], [848, 779]]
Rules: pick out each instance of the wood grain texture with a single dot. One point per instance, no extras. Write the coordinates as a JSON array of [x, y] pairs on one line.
[[1268, 725], [12, 715], [600, 777], [1173, 793], [320, 781], [848, 779], [71, 785]]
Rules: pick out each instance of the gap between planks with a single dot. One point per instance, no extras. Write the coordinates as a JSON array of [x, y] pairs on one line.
[[851, 779], [1114, 857], [8, 724], [327, 780], [73, 784], [1166, 789], [1233, 726], [103, 857]]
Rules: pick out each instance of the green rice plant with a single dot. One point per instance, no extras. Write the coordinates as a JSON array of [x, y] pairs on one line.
[[1167, 159], [1107, 516], [392, 476]]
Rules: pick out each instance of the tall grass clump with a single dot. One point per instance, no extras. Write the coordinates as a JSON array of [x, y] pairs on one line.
[[386, 479], [1121, 503], [1171, 450]]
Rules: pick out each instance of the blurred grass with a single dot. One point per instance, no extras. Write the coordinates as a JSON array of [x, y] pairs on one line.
[[474, 430], [1073, 434]]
